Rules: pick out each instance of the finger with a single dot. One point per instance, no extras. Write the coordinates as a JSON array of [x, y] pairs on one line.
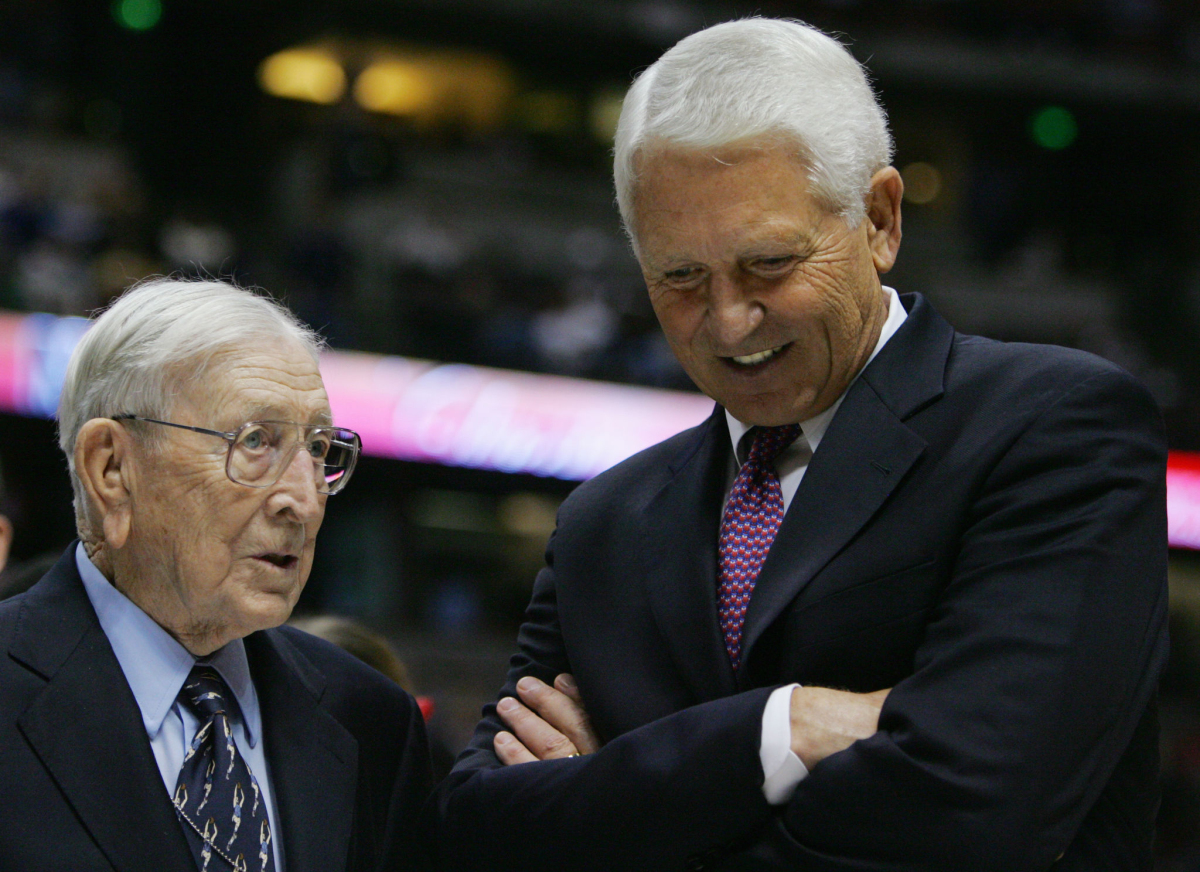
[[562, 712], [510, 750], [565, 682], [588, 741], [540, 738]]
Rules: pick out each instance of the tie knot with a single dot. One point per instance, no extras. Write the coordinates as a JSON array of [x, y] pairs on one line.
[[770, 441], [204, 692]]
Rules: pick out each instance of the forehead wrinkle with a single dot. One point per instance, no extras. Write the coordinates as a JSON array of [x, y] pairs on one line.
[[275, 412], [272, 392]]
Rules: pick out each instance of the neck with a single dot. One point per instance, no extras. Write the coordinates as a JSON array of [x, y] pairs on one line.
[[96, 553], [200, 638]]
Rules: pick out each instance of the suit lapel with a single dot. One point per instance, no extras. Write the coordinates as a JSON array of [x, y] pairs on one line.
[[863, 457], [681, 524], [312, 758], [87, 730]]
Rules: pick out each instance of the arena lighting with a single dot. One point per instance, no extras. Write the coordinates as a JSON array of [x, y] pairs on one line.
[[436, 86], [603, 113], [473, 416], [922, 183], [310, 74], [1053, 128], [548, 111], [396, 87], [137, 14], [427, 87]]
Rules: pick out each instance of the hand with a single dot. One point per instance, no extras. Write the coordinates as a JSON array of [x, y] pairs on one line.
[[826, 721], [548, 722]]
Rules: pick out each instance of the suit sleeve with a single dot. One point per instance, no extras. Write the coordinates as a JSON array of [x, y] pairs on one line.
[[1039, 663], [648, 800]]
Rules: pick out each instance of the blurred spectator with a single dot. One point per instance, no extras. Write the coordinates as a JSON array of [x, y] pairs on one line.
[[196, 245], [374, 650], [367, 645]]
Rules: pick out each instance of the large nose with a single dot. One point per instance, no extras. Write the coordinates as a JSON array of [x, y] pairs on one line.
[[734, 313], [295, 493]]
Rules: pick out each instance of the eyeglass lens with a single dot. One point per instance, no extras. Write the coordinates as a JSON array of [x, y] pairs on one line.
[[262, 451]]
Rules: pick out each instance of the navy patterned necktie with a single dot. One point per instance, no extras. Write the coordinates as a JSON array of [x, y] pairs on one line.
[[748, 527], [217, 800]]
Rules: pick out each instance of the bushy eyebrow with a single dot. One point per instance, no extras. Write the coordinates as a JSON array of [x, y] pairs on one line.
[[275, 413], [799, 241]]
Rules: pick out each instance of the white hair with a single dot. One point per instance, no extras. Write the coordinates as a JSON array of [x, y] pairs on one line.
[[155, 338], [754, 79]]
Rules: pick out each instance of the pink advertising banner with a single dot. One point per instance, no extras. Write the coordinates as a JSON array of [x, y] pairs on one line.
[[500, 419], [473, 416]]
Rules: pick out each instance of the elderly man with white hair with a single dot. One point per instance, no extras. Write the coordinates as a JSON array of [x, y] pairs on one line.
[[899, 604], [151, 715]]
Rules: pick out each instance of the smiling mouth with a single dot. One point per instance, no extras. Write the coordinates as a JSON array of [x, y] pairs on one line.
[[757, 357], [283, 561]]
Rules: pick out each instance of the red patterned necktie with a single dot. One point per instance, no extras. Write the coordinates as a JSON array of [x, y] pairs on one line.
[[748, 527], [217, 799]]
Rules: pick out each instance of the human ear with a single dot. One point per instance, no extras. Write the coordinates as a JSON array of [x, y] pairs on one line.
[[883, 217], [103, 452]]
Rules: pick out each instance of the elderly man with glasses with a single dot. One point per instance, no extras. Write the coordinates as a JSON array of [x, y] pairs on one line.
[[153, 714]]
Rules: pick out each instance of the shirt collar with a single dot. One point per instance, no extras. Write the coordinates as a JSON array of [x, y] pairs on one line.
[[154, 663], [813, 429]]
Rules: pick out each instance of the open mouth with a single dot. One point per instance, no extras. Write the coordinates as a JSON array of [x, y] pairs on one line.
[[757, 357], [283, 561]]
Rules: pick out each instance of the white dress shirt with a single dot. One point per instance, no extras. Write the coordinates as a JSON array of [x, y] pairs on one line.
[[782, 769], [156, 665]]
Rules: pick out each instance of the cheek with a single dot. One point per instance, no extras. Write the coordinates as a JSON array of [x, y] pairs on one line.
[[680, 318], [211, 561], [833, 297], [228, 536]]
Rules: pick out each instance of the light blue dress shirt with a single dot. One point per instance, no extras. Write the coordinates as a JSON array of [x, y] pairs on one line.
[[156, 665]]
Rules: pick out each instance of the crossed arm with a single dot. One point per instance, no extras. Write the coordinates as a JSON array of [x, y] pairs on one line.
[[550, 722]]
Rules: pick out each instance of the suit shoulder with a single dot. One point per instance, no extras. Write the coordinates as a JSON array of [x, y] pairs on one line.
[[1034, 370], [9, 611], [648, 468], [350, 683]]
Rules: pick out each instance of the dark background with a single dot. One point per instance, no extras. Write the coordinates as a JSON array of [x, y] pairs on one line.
[[135, 139]]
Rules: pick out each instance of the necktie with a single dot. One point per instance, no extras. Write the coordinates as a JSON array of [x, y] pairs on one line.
[[216, 798], [748, 527]]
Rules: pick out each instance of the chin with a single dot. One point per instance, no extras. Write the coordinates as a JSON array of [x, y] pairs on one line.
[[766, 413], [267, 609]]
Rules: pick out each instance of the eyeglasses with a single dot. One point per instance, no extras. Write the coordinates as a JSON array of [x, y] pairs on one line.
[[260, 451]]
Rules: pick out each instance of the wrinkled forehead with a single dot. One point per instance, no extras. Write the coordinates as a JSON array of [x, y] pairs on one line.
[[663, 166], [272, 379]]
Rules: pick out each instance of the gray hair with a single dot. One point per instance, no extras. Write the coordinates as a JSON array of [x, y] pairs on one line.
[[154, 338], [753, 79]]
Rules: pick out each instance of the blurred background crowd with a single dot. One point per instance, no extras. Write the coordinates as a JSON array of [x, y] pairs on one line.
[[430, 179]]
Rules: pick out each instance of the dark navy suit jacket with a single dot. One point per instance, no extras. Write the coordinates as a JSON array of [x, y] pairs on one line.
[[982, 530], [79, 786]]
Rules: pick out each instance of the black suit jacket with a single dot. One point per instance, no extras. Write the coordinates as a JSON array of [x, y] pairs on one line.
[[982, 529], [81, 788]]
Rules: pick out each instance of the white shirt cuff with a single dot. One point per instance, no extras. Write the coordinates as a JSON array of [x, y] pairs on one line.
[[782, 770]]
